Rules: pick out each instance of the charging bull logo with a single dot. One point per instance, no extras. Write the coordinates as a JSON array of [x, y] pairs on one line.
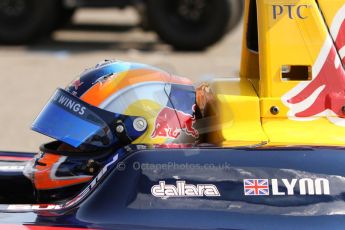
[[170, 122], [325, 94]]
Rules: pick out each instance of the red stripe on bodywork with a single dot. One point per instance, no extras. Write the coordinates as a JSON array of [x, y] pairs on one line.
[[34, 227], [10, 158]]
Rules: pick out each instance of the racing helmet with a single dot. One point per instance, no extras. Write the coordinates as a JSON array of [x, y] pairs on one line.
[[107, 107]]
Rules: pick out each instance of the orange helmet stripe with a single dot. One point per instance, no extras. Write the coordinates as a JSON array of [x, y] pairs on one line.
[[102, 90]]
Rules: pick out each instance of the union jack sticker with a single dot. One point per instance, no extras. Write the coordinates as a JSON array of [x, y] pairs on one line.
[[256, 187]]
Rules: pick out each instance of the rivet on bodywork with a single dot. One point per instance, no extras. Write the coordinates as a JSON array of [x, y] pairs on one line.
[[274, 110]]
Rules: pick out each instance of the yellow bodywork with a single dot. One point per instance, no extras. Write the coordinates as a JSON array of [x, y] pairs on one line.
[[238, 112], [291, 35]]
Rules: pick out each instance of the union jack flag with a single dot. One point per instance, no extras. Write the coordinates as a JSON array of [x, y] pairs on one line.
[[256, 187]]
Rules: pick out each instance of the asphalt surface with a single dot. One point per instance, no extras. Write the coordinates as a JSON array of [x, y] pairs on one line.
[[30, 74]]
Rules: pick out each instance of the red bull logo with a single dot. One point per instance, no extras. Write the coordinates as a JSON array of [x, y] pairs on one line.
[[170, 123], [324, 95]]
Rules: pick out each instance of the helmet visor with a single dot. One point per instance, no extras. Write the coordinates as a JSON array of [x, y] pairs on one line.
[[74, 122]]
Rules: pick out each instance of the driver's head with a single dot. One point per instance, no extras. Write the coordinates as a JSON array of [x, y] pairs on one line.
[[107, 107]]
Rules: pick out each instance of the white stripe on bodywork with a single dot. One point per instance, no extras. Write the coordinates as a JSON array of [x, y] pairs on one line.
[[342, 53], [12, 168], [337, 22]]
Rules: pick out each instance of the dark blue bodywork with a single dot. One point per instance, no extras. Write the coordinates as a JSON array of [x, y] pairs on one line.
[[123, 198]]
